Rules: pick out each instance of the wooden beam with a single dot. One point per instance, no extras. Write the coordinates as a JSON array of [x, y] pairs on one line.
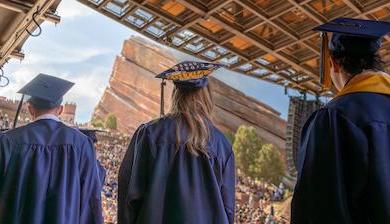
[[284, 29], [217, 7], [201, 13], [153, 20], [356, 9], [24, 7], [266, 48], [306, 11], [103, 4], [258, 43], [17, 55], [12, 42]]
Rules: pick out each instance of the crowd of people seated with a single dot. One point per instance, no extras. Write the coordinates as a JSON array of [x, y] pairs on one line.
[[110, 151], [254, 199], [4, 120]]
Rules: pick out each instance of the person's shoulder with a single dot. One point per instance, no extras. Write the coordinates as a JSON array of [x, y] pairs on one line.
[[73, 131], [220, 145], [359, 99], [158, 127], [18, 130], [158, 122], [72, 134], [362, 108], [218, 135]]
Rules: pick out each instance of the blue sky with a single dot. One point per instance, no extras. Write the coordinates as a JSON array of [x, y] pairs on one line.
[[82, 48]]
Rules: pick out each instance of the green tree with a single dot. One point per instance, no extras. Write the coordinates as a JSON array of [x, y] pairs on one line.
[[111, 122], [247, 146], [269, 164], [97, 123]]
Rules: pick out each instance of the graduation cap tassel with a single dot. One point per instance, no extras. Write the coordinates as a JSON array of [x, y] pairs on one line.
[[325, 62], [18, 112], [163, 83]]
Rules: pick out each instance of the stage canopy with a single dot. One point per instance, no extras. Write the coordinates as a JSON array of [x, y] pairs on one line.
[[267, 39]]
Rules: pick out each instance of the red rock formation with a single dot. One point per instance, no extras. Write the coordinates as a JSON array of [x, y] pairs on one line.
[[133, 95]]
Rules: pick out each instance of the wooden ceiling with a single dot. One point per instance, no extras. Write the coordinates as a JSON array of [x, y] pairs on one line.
[[16, 21], [267, 39]]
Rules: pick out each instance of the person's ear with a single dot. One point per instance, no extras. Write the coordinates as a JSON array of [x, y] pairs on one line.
[[335, 66], [60, 110], [31, 110]]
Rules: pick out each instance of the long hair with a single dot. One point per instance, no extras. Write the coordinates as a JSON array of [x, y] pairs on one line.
[[192, 108]]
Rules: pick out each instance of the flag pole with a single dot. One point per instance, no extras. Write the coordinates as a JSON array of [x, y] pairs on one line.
[[18, 112]]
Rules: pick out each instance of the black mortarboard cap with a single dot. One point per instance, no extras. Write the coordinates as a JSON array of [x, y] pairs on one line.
[[90, 133], [356, 27], [351, 37], [46, 91]]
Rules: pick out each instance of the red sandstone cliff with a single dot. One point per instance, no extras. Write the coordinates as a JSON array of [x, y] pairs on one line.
[[133, 95]]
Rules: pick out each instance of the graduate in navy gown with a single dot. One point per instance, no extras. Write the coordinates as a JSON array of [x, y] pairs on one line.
[[344, 158], [179, 169], [91, 134], [48, 171]]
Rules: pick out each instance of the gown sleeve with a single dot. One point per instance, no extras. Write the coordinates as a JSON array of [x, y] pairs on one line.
[[228, 188], [2, 157], [102, 173], [332, 167], [133, 175], [91, 186], [5, 154]]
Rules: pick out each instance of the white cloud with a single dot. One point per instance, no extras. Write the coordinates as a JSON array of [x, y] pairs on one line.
[[17, 80], [70, 9], [89, 86], [87, 91], [63, 54]]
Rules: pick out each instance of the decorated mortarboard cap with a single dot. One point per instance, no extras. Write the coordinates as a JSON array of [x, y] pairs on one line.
[[189, 74], [350, 37], [46, 91]]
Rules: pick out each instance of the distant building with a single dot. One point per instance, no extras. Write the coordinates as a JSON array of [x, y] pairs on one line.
[[69, 112], [8, 111]]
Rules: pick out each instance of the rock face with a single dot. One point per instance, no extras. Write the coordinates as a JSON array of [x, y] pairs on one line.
[[133, 95]]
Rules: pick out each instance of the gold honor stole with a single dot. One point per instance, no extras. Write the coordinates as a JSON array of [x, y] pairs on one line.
[[369, 81]]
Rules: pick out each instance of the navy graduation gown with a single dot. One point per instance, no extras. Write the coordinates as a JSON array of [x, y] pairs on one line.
[[48, 174], [344, 163], [157, 185]]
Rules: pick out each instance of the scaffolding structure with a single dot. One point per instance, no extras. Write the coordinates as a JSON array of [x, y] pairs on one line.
[[19, 20], [299, 111], [270, 40]]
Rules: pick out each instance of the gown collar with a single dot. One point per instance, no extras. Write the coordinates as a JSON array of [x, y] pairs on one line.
[[368, 81], [47, 116]]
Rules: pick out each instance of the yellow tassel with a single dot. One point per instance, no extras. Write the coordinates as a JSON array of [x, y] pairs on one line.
[[325, 78]]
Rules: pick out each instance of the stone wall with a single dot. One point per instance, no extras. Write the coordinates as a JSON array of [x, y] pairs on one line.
[[133, 95]]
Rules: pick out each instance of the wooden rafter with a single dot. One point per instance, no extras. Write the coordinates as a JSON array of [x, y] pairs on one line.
[[233, 31], [41, 10]]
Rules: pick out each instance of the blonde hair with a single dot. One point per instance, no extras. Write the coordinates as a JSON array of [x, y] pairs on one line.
[[192, 108]]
